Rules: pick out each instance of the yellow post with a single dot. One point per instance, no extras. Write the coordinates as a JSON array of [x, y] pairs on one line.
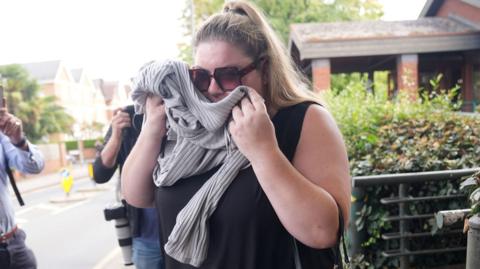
[[67, 181], [90, 170]]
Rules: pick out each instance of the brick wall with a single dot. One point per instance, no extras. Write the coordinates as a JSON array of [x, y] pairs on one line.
[[321, 74], [461, 9], [407, 74]]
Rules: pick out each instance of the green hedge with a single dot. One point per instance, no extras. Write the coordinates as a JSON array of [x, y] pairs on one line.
[[71, 145], [88, 144], [400, 136]]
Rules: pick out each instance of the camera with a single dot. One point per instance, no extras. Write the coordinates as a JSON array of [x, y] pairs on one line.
[[118, 213]]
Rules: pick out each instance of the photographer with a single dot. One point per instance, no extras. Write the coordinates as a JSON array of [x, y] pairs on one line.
[[17, 152], [119, 140]]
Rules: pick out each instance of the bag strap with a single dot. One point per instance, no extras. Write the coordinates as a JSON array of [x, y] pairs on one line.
[[341, 240], [298, 264], [338, 263], [13, 183]]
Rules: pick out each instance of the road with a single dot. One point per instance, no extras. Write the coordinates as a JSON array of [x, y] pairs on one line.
[[70, 233]]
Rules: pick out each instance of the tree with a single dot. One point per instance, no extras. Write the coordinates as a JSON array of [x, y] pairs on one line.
[[282, 13], [202, 9], [40, 115]]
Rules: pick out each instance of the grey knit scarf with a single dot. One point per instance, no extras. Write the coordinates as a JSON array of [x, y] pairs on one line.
[[197, 141]]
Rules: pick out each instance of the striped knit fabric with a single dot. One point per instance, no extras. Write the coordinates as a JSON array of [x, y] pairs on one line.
[[197, 141]]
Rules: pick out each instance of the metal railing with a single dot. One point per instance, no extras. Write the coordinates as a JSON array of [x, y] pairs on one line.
[[402, 200]]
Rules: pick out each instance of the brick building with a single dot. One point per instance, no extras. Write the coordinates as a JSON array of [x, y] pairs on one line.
[[445, 39], [74, 90]]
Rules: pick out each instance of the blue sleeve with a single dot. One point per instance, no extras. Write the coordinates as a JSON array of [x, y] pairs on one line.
[[29, 162]]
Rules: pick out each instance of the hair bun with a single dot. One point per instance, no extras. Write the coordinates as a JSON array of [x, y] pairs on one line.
[[235, 10]]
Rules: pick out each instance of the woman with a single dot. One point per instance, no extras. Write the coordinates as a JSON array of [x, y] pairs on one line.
[[298, 184]]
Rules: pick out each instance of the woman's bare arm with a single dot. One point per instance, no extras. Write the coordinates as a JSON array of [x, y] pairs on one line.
[[137, 183]]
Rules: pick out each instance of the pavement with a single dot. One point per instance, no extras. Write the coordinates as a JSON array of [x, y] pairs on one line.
[[114, 259], [37, 182]]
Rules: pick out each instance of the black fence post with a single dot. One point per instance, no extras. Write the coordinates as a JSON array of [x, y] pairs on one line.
[[355, 236], [402, 193]]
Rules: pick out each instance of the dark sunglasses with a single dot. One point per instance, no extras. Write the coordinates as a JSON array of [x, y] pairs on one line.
[[228, 78]]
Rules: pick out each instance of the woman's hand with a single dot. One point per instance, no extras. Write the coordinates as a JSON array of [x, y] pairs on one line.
[[251, 127], [156, 117], [137, 183]]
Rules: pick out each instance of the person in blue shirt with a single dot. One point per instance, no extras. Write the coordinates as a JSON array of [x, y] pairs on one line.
[[18, 153], [119, 140]]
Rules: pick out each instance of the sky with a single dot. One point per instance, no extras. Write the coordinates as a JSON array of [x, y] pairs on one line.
[[110, 39], [401, 9]]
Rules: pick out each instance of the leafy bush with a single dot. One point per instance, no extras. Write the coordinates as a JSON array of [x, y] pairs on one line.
[[71, 145], [471, 186], [88, 144], [386, 136]]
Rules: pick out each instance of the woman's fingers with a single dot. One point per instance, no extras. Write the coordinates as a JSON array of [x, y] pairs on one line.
[[246, 105], [237, 113], [154, 101], [251, 127], [256, 100]]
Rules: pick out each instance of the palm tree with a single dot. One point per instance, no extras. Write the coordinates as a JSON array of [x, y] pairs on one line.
[[41, 115]]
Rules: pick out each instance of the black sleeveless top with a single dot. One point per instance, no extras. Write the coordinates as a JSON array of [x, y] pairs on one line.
[[245, 232]]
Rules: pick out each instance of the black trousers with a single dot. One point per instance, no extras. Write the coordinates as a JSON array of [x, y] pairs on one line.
[[14, 254]]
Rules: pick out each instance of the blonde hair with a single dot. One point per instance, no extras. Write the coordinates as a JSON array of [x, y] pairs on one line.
[[243, 25]]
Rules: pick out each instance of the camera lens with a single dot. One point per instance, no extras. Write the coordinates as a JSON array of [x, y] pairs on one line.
[[118, 213]]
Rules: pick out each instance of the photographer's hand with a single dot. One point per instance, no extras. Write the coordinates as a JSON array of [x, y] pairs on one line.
[[109, 153], [120, 121], [12, 127]]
